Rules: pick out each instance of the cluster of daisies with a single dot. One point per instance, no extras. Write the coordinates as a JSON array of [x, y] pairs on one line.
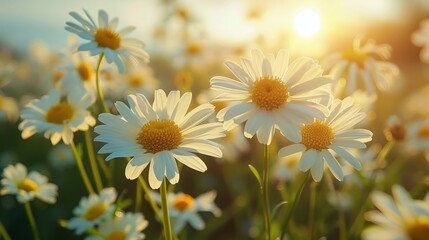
[[268, 93]]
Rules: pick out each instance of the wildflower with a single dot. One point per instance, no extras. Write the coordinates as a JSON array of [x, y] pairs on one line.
[[418, 136], [16, 180], [55, 118], [360, 63], [159, 134], [184, 208], [333, 133], [421, 38], [105, 39], [8, 108], [400, 217], [271, 94], [92, 210], [286, 167], [126, 226]]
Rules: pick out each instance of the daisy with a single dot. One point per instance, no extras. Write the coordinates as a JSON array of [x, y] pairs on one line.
[[321, 138], [106, 40], [9, 108], [92, 210], [184, 208], [136, 80], [158, 134], [421, 38], [287, 167], [360, 63], [271, 94], [399, 218], [127, 226], [417, 139], [16, 180], [55, 118]]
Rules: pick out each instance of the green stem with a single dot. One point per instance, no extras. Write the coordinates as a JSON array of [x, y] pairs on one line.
[[149, 197], [81, 169], [97, 82], [313, 197], [32, 221], [166, 215], [265, 195], [3, 232], [379, 161], [104, 168], [295, 201], [138, 197], [93, 161]]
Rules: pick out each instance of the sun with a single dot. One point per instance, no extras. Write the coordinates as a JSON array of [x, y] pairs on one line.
[[307, 22]]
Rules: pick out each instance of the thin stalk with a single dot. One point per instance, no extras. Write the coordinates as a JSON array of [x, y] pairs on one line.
[[166, 215], [138, 197], [150, 199], [97, 82], [93, 161], [341, 216], [3, 232], [104, 168], [313, 197], [265, 196], [81, 168], [295, 201], [32, 221], [379, 161]]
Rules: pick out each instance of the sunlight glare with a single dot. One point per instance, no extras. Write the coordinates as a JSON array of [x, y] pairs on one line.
[[307, 22]]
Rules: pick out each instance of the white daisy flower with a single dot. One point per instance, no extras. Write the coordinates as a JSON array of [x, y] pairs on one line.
[[26, 186], [9, 108], [55, 118], [184, 208], [421, 38], [158, 134], [417, 139], [286, 168], [136, 80], [92, 210], [321, 138], [127, 227], [399, 218], [270, 93], [105, 39], [359, 63]]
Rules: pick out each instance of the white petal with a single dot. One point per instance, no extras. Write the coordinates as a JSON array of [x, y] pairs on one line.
[[291, 149], [308, 159], [190, 160], [333, 165]]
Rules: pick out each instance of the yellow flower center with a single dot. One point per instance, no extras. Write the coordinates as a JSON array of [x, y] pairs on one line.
[[60, 113], [95, 211], [219, 105], [317, 135], [423, 132], [159, 135], [269, 93], [116, 235], [193, 49], [418, 229], [85, 71], [107, 38], [135, 81], [58, 75], [183, 202], [27, 185], [183, 13], [357, 57]]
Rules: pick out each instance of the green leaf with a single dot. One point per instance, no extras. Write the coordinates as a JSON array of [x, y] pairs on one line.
[[276, 208], [256, 174]]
